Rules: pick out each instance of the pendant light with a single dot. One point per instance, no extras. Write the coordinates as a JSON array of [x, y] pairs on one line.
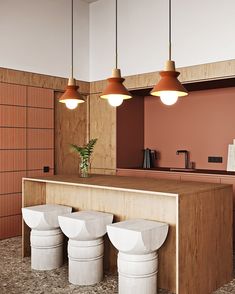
[[115, 91], [71, 96], [169, 87]]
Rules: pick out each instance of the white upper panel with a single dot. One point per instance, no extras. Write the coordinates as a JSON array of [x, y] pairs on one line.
[[36, 37], [201, 33]]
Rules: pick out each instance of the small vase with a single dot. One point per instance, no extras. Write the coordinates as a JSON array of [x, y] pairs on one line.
[[84, 167]]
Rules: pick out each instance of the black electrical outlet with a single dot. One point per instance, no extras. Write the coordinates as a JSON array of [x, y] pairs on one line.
[[215, 159], [46, 169]]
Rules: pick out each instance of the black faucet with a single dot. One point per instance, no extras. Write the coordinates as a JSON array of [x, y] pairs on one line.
[[186, 154]]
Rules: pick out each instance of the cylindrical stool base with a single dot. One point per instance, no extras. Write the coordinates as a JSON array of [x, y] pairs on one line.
[[137, 273], [46, 249], [85, 261]]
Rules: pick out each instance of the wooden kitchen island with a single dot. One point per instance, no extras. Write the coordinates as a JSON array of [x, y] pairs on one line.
[[197, 255]]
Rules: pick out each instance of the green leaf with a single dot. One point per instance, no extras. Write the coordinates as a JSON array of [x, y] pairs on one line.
[[85, 151]]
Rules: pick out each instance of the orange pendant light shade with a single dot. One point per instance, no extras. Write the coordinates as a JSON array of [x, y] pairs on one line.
[[71, 96], [169, 82], [115, 91], [169, 87]]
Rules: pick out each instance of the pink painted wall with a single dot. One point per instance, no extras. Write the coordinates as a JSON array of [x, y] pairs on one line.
[[203, 123], [130, 133]]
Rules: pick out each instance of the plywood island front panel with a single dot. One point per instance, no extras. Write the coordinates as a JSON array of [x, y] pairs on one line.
[[197, 254]]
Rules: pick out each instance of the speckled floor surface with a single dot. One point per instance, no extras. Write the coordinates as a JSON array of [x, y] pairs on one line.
[[17, 277]]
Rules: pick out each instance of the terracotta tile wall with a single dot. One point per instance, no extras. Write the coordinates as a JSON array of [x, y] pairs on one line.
[[26, 146]]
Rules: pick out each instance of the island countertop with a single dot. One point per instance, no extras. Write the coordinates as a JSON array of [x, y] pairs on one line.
[[152, 186]]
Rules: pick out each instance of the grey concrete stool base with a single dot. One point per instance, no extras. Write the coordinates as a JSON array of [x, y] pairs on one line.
[[85, 257], [137, 241], [46, 237], [85, 230]]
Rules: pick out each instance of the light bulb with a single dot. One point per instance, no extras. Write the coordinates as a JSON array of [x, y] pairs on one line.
[[115, 100], [71, 103], [169, 97]]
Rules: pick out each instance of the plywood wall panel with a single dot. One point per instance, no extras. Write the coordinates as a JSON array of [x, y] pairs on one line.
[[38, 80], [103, 127], [103, 171], [10, 204], [12, 160], [70, 128], [195, 73]]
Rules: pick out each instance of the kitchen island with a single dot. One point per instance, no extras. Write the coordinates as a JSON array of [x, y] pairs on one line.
[[197, 255]]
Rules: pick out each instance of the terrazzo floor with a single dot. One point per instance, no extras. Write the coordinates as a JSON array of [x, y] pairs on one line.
[[16, 277]]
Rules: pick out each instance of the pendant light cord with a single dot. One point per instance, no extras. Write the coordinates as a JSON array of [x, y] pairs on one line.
[[169, 29], [72, 39], [116, 32]]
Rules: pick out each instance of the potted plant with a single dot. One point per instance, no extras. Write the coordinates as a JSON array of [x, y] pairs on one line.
[[85, 154]]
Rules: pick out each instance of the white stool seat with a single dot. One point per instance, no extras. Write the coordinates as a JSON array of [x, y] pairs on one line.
[[44, 217], [85, 230], [85, 225], [137, 236], [137, 241], [46, 238]]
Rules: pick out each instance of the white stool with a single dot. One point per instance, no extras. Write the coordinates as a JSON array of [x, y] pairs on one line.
[[137, 241], [85, 230], [46, 238]]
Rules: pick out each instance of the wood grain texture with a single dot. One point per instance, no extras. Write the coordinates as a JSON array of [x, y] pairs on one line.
[[103, 127], [33, 193], [195, 73], [103, 171], [205, 241], [38, 80], [101, 114], [148, 174], [127, 205], [70, 128], [171, 188], [199, 214]]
